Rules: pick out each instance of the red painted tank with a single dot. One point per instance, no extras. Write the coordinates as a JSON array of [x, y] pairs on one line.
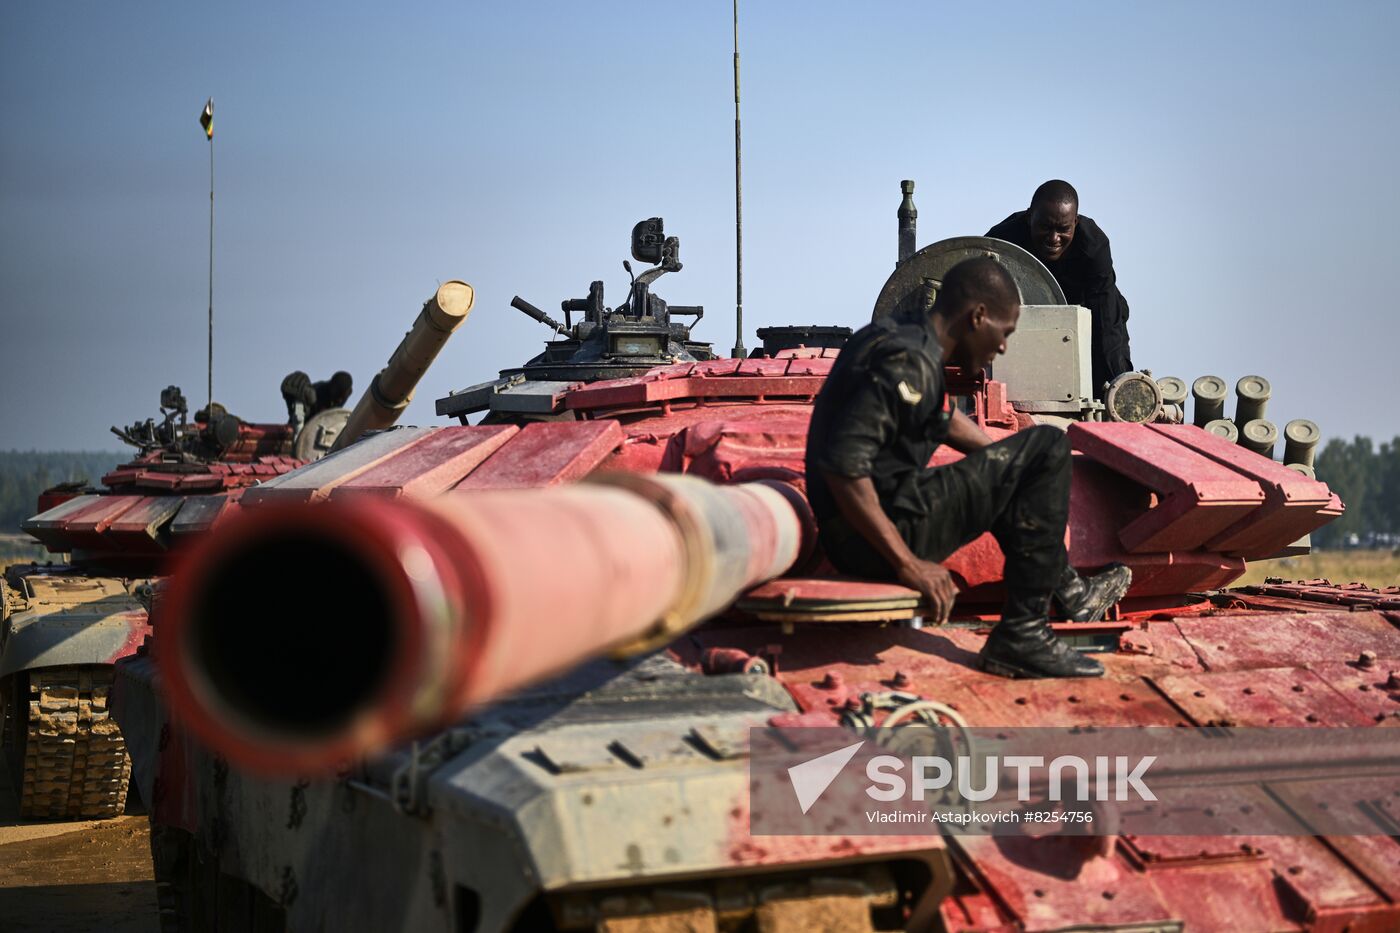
[[469, 567]]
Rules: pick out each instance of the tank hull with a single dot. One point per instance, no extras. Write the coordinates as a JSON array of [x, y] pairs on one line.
[[614, 789]]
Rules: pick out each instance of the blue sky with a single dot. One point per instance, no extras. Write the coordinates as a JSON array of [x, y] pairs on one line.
[[1240, 156]]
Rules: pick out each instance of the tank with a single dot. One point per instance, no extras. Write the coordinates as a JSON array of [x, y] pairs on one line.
[[63, 626], [501, 676]]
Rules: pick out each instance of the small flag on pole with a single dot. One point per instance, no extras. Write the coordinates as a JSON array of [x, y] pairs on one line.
[[206, 119]]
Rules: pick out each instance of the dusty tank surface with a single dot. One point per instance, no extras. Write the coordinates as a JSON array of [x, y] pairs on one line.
[[501, 676], [63, 626]]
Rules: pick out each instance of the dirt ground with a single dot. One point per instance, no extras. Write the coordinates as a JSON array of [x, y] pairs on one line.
[[74, 877]]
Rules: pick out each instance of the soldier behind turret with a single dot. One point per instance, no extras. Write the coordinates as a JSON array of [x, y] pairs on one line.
[[306, 399], [1075, 250]]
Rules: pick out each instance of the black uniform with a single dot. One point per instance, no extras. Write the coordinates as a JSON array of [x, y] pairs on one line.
[[882, 413], [314, 397], [1085, 273]]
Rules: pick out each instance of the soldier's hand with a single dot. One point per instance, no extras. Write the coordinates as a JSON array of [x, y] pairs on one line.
[[935, 583]]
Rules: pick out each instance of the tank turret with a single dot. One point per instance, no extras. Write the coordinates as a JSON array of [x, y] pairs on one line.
[[595, 341], [213, 435]]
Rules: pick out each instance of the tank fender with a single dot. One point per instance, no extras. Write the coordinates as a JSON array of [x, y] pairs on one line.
[[34, 640]]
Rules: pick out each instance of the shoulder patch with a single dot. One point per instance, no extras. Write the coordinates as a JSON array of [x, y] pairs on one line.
[[910, 394]]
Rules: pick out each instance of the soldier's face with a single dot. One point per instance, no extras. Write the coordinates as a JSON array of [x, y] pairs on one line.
[[988, 331], [1052, 229]]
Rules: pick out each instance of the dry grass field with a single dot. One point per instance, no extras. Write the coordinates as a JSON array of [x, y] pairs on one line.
[[17, 549], [1376, 568]]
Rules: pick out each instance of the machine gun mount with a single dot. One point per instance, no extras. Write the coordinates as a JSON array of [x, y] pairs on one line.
[[597, 342], [212, 433]]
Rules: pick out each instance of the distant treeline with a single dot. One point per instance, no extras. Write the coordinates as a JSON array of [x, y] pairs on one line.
[[1367, 478], [25, 474]]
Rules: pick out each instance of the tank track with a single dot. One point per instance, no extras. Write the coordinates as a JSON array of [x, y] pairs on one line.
[[75, 764]]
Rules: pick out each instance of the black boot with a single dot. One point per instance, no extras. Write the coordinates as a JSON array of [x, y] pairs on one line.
[[1084, 599], [1022, 645]]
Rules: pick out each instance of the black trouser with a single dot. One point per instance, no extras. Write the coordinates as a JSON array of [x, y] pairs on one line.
[[1018, 489]]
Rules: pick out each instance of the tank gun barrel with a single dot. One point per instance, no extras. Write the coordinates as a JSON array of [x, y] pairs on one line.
[[401, 616], [392, 388]]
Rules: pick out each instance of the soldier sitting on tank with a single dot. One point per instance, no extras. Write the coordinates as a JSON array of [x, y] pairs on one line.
[[883, 514], [306, 399], [1075, 250]]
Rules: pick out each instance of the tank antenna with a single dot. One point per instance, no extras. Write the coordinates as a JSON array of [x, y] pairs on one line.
[[738, 350], [206, 120]]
